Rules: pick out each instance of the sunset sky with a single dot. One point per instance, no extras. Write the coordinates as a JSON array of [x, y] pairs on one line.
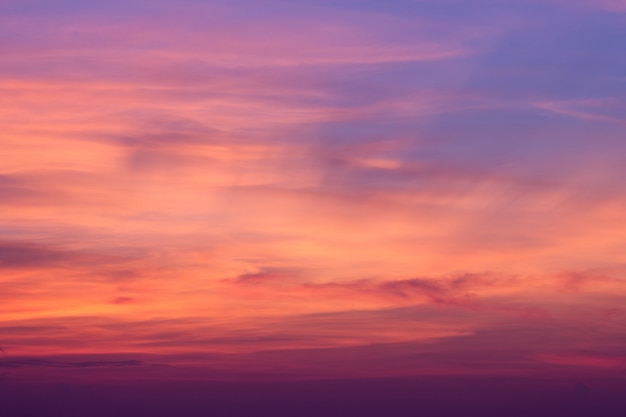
[[273, 190]]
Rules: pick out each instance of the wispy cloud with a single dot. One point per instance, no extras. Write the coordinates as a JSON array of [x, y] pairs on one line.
[[36, 363]]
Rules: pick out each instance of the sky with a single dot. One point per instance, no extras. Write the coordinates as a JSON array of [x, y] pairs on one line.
[[265, 191]]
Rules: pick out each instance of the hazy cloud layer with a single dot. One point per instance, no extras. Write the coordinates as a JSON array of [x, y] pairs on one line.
[[307, 189]]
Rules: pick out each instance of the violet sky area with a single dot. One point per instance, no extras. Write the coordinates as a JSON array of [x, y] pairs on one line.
[[303, 208]]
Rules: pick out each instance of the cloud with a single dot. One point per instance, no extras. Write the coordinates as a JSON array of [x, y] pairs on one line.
[[318, 184], [270, 275], [123, 300], [585, 359], [45, 363], [32, 255], [13, 255], [437, 290], [593, 110], [467, 291], [23, 190]]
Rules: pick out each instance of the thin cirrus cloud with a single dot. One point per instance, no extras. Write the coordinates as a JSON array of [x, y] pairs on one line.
[[306, 189]]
